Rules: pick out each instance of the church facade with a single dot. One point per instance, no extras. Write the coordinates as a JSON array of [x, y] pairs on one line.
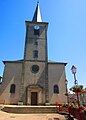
[[34, 80]]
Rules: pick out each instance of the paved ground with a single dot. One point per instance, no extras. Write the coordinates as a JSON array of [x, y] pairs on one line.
[[10, 116]]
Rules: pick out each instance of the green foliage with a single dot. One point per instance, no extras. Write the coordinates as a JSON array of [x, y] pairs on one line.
[[77, 88]]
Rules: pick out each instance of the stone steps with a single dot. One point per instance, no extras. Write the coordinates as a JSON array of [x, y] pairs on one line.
[[29, 109]]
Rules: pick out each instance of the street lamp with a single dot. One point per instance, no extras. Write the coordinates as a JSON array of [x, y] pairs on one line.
[[66, 82], [73, 69]]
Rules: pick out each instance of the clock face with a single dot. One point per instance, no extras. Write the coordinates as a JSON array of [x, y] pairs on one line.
[[36, 27], [35, 69]]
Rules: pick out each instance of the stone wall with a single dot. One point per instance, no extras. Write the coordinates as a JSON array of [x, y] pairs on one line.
[[12, 75], [56, 76]]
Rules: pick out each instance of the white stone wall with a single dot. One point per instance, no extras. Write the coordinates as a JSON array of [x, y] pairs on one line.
[[31, 79], [12, 75], [56, 75]]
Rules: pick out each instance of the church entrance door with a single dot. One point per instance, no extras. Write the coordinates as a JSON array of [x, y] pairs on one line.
[[34, 97]]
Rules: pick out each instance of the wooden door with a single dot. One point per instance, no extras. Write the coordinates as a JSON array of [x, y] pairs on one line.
[[34, 97]]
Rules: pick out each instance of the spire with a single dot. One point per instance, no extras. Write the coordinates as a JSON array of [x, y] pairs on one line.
[[37, 14]]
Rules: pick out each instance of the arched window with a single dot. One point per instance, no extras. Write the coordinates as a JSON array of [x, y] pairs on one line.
[[35, 53], [56, 89], [12, 88]]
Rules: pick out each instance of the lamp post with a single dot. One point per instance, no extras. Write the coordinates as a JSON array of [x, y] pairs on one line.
[[66, 82], [73, 69]]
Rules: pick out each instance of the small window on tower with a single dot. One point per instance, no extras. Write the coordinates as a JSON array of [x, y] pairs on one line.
[[35, 53], [36, 43], [12, 88], [36, 30]]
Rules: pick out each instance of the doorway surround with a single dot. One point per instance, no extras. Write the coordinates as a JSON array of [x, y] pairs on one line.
[[34, 95]]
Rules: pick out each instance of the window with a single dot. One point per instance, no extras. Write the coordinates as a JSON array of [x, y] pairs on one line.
[[36, 43], [35, 69], [0, 80], [12, 88], [35, 53], [36, 30], [56, 89]]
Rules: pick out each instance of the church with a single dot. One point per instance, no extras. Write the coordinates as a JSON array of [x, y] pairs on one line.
[[34, 80]]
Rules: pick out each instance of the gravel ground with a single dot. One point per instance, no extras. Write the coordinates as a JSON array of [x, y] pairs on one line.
[[10, 116]]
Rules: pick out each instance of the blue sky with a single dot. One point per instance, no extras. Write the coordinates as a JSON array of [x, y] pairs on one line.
[[66, 32]]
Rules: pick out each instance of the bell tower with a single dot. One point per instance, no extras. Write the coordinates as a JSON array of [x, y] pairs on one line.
[[35, 65], [36, 41], [36, 38]]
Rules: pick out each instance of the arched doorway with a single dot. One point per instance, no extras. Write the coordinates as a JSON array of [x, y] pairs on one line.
[[34, 95]]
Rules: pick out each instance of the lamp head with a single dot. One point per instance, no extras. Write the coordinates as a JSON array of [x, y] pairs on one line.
[[73, 69]]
